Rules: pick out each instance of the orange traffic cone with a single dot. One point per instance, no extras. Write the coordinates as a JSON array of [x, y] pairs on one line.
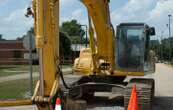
[[133, 103], [58, 104]]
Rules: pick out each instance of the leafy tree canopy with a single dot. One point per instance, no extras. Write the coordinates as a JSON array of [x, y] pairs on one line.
[[163, 48], [74, 30], [65, 45]]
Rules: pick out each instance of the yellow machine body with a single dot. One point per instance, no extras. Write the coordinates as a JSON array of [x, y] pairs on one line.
[[99, 17], [103, 59], [47, 40], [46, 26], [86, 65]]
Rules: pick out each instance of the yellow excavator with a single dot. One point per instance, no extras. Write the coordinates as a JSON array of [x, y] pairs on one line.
[[104, 65], [112, 56]]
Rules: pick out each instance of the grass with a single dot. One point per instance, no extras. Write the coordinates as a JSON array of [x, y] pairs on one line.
[[14, 89], [19, 88], [6, 70], [16, 69]]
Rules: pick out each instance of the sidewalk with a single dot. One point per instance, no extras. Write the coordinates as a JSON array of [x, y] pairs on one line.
[[27, 75]]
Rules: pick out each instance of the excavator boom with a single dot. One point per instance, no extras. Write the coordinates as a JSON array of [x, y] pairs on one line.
[[98, 11], [47, 40]]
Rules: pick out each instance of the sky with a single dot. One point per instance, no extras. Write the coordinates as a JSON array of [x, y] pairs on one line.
[[14, 24]]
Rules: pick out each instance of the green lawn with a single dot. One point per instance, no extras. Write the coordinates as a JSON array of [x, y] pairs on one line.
[[16, 69], [8, 73], [19, 67], [6, 70], [14, 89]]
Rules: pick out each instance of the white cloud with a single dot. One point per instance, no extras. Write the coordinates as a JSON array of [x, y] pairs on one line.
[[162, 8], [66, 2], [132, 11], [159, 15], [2, 2], [153, 12], [15, 24], [77, 14]]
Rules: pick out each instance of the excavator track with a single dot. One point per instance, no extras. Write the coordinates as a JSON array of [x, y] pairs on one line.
[[145, 93]]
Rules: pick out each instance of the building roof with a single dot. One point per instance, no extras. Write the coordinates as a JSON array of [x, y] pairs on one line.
[[10, 41]]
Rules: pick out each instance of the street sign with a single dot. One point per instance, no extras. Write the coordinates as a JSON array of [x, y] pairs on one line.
[[29, 44], [29, 41]]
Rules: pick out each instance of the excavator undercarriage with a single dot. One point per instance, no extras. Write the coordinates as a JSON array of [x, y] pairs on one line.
[[88, 87]]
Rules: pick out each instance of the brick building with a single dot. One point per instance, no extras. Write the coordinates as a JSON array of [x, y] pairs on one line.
[[12, 52]]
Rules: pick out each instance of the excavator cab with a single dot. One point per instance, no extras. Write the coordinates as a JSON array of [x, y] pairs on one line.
[[133, 43]]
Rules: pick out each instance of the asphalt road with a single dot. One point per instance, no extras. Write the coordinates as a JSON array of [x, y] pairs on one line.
[[163, 93], [164, 88]]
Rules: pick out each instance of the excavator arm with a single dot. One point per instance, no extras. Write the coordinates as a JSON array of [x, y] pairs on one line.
[[46, 25], [98, 11], [47, 40], [102, 37]]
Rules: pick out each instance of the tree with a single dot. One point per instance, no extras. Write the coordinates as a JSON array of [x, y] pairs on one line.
[[65, 45], [167, 48], [1, 39], [0, 36], [155, 46], [74, 30], [163, 49]]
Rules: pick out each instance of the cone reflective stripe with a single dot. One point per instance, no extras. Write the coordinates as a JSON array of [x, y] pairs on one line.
[[133, 103], [58, 104]]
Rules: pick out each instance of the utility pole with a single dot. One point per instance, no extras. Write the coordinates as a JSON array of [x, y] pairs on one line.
[[161, 47], [29, 44], [169, 25], [30, 62]]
